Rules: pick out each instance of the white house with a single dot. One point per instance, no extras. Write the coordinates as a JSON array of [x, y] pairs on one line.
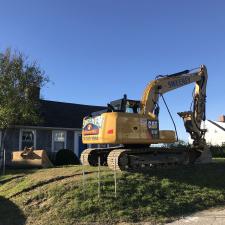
[[215, 134]]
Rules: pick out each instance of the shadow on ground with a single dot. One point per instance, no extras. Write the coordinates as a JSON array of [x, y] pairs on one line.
[[202, 175], [10, 179], [10, 214], [173, 192]]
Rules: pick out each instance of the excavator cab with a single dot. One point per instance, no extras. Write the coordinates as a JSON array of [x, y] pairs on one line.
[[121, 105], [124, 105]]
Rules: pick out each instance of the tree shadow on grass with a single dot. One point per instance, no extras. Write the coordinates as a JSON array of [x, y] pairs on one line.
[[202, 175], [10, 179], [173, 192], [10, 214]]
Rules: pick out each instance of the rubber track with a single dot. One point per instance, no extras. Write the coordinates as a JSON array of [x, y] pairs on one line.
[[89, 157], [119, 159], [84, 158]]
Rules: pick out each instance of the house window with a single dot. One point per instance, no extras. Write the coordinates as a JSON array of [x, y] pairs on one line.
[[58, 140], [27, 139]]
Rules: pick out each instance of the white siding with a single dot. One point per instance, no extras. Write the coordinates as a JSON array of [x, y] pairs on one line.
[[214, 134]]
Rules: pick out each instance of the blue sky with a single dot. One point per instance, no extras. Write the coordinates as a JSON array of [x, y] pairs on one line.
[[96, 50]]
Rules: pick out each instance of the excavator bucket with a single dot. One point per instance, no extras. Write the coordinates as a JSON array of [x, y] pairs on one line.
[[29, 158]]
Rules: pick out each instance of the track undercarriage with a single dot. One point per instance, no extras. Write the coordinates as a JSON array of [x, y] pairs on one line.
[[138, 158]]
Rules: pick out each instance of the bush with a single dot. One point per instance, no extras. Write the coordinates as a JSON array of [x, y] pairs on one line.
[[217, 151], [66, 157]]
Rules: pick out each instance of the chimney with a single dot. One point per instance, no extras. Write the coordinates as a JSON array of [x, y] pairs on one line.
[[221, 118], [33, 92]]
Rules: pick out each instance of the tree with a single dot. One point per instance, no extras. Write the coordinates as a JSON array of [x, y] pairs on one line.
[[19, 80]]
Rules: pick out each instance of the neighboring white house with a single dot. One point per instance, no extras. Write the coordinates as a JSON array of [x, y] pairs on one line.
[[215, 134]]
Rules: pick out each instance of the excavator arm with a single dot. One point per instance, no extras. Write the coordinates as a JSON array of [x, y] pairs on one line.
[[192, 119]]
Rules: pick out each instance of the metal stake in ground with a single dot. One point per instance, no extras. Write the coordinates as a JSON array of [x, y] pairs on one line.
[[1, 159], [115, 178], [99, 182], [83, 172], [4, 162]]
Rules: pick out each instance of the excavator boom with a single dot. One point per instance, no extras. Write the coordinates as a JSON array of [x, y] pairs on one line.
[[167, 83]]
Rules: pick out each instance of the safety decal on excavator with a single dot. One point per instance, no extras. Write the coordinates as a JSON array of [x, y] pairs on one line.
[[90, 129], [91, 125], [153, 128]]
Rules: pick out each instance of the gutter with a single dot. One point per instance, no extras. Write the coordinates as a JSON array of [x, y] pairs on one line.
[[46, 128]]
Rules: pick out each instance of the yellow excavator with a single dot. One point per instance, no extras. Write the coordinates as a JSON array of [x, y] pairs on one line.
[[127, 128]]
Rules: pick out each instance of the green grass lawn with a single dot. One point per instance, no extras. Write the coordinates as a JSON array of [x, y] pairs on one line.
[[58, 196]]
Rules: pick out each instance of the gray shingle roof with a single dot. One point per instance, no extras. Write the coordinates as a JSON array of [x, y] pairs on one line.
[[65, 115]]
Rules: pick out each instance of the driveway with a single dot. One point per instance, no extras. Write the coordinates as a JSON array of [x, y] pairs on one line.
[[206, 217]]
